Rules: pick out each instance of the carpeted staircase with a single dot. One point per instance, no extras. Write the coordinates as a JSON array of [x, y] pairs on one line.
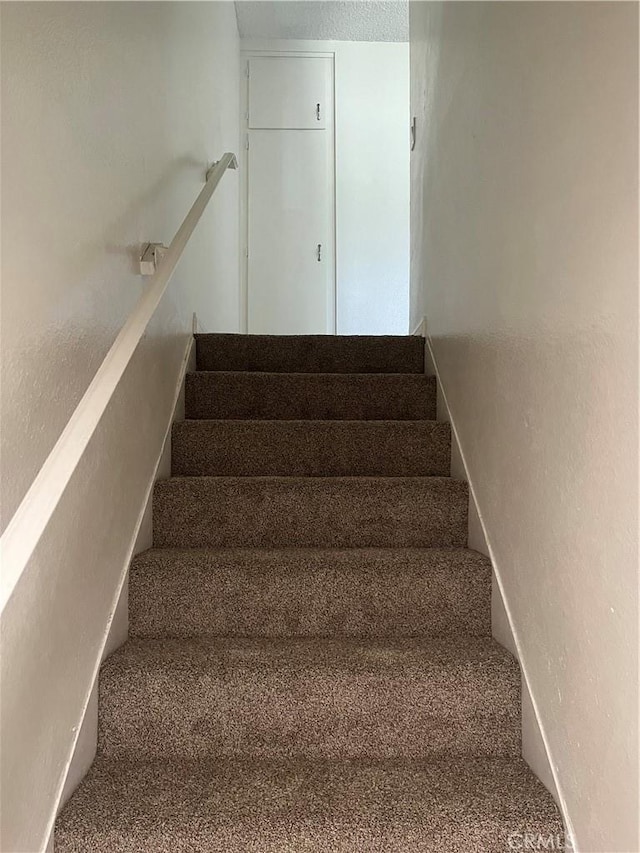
[[310, 666]]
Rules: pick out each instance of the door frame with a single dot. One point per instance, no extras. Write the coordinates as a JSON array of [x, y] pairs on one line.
[[302, 52]]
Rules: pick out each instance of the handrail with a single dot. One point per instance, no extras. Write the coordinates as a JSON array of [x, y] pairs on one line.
[[36, 508]]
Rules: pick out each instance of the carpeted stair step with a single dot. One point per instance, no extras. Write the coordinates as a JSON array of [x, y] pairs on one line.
[[461, 805], [311, 448], [303, 396], [317, 698], [311, 353], [310, 592], [334, 512]]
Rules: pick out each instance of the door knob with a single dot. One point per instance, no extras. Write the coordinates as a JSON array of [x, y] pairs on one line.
[[319, 251]]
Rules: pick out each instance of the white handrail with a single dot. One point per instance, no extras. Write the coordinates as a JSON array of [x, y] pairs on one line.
[[32, 516]]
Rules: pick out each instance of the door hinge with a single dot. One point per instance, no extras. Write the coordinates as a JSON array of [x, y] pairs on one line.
[[247, 70], [247, 142]]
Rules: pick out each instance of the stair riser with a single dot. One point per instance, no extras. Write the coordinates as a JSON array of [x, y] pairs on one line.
[[316, 448], [297, 396], [308, 512], [454, 806], [239, 709], [311, 353], [228, 597]]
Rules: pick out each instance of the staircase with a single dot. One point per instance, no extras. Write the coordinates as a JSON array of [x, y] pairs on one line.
[[310, 666]]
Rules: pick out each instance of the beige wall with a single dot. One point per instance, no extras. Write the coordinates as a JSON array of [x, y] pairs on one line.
[[525, 264], [109, 113]]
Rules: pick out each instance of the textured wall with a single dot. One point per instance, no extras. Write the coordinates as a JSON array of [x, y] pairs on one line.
[[346, 21], [525, 263], [109, 111], [108, 117]]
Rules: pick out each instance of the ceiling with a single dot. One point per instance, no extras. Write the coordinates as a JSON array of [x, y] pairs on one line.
[[356, 20]]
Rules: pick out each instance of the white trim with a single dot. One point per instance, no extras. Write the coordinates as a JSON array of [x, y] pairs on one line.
[[296, 47], [561, 800], [244, 194], [34, 512], [118, 593], [420, 329]]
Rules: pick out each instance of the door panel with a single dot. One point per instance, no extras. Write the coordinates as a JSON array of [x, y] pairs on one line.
[[290, 212], [289, 92]]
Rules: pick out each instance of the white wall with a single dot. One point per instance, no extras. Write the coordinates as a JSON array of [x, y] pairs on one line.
[[525, 263], [372, 181], [110, 112], [372, 188]]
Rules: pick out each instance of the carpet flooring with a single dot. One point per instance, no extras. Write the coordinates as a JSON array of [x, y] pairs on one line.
[[310, 592], [219, 448], [310, 396], [310, 667]]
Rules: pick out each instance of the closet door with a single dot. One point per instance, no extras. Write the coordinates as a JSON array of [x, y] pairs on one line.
[[290, 216]]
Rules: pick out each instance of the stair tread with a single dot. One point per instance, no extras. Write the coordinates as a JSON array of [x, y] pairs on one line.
[[455, 805], [422, 424], [309, 592], [423, 675], [398, 658], [310, 447], [311, 353], [314, 396], [396, 654], [309, 483], [289, 559], [310, 511], [424, 652], [427, 424], [319, 376], [325, 697], [342, 478]]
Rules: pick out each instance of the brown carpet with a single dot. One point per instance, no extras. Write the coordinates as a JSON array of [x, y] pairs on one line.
[[319, 698], [311, 353], [464, 805], [305, 396], [311, 448], [310, 592], [310, 665], [307, 512]]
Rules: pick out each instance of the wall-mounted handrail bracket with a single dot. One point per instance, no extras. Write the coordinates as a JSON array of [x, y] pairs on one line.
[[232, 164], [151, 256]]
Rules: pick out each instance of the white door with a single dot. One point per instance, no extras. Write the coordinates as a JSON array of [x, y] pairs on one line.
[[290, 215]]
